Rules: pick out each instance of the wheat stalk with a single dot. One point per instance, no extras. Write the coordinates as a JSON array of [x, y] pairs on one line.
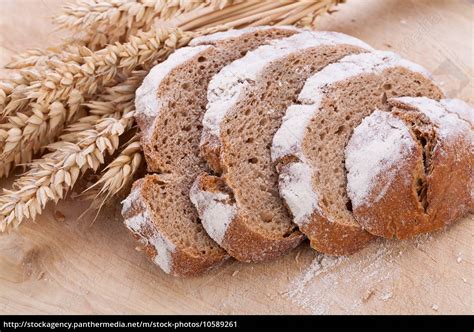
[[56, 98], [110, 21], [82, 148]]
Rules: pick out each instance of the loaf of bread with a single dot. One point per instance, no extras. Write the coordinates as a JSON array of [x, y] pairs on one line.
[[170, 105], [410, 171], [247, 100], [309, 146], [256, 138]]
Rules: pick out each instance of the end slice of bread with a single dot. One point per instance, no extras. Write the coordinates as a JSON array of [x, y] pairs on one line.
[[170, 105], [410, 170], [247, 101], [178, 246], [309, 146]]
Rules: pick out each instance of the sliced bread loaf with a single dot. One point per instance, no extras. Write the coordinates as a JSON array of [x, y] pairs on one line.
[[170, 105], [309, 146], [171, 100], [247, 100], [410, 171]]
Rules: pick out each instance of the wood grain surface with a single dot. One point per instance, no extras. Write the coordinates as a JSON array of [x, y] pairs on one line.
[[81, 267]]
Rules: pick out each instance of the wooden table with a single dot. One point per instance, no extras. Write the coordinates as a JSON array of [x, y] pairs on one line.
[[80, 267]]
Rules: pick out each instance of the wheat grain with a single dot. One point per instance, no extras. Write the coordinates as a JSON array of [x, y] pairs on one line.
[[118, 174], [253, 13], [71, 49]]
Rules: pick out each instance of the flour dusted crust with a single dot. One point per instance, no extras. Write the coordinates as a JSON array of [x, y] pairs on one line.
[[215, 207], [427, 188], [219, 216], [170, 104], [248, 236], [138, 218], [230, 84], [147, 101], [217, 37], [289, 138], [326, 232], [165, 252], [380, 146]]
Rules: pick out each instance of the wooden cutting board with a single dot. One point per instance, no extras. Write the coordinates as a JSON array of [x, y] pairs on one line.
[[76, 266]]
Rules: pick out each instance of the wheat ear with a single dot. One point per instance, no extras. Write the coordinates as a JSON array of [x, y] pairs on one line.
[[55, 100], [109, 21], [84, 146], [118, 174]]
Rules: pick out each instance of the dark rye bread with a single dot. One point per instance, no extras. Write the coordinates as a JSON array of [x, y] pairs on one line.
[[170, 105], [176, 246], [309, 146], [410, 171], [247, 100]]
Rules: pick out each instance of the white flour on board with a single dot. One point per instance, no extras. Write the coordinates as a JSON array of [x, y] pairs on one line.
[[368, 274]]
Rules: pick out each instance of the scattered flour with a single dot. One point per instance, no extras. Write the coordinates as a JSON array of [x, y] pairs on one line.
[[386, 296], [369, 278], [316, 289]]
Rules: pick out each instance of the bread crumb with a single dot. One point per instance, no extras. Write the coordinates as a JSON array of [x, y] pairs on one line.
[[236, 272], [435, 307], [368, 295], [464, 280], [139, 248], [459, 259], [386, 296]]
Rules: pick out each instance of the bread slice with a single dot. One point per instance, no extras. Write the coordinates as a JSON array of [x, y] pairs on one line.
[[247, 100], [410, 170], [170, 105], [309, 146]]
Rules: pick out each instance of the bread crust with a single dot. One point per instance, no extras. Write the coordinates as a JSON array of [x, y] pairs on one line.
[[172, 259], [237, 234], [170, 101], [329, 232], [401, 212], [229, 91]]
